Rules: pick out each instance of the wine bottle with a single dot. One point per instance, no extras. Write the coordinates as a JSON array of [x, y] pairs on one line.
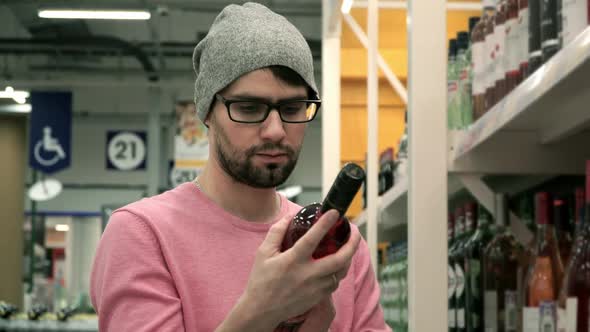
[[459, 237], [490, 65], [545, 273], [461, 275], [502, 271], [479, 56], [339, 197], [535, 52], [500, 32], [453, 236], [561, 218], [574, 299], [473, 270], [512, 46]]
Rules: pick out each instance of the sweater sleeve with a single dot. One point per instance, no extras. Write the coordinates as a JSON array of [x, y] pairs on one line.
[[368, 314], [131, 287]]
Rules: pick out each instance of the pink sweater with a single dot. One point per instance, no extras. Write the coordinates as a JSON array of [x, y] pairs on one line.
[[179, 262]]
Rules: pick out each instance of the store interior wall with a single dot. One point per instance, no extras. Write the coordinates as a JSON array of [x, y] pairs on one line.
[[12, 150]]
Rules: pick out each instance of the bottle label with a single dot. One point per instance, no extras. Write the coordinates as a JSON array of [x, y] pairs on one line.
[[452, 318], [561, 320], [523, 30], [461, 318], [530, 319], [460, 281], [512, 46], [548, 20], [474, 275], [547, 312], [574, 18], [491, 311], [510, 311], [451, 282], [571, 319], [477, 56], [500, 32]]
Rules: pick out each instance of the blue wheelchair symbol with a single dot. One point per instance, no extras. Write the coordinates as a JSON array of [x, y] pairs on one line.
[[48, 151]]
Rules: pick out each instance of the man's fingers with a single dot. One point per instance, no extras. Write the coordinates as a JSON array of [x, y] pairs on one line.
[[276, 233], [341, 259], [306, 245]]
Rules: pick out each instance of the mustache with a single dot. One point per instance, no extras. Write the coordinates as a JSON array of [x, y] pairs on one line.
[[269, 146]]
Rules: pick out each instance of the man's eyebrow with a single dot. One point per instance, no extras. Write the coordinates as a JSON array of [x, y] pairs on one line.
[[247, 96]]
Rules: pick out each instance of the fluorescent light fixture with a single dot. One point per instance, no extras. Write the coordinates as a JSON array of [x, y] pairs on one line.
[[18, 96], [16, 108], [346, 6], [95, 14], [62, 227]]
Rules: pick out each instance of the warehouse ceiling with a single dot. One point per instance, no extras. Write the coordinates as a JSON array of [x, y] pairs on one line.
[[34, 49]]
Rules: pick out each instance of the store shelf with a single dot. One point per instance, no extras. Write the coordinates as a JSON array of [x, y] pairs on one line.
[[552, 105], [392, 207]]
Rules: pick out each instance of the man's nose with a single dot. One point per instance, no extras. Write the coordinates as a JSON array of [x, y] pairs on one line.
[[272, 128]]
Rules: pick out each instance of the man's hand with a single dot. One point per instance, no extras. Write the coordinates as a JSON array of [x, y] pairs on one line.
[[286, 284], [320, 317]]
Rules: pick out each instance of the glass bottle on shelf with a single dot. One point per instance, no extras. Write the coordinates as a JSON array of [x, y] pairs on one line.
[[473, 270], [500, 55], [574, 298], [549, 29], [460, 274], [561, 217], [490, 69], [535, 53], [502, 270], [523, 46], [466, 81], [452, 83], [512, 46], [545, 272], [480, 59], [457, 243]]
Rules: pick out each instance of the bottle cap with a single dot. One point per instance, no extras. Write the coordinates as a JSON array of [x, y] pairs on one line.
[[348, 182], [452, 48], [462, 40], [543, 208]]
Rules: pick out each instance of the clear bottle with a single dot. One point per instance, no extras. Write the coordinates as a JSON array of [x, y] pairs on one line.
[[474, 270], [502, 272], [574, 298], [500, 70], [512, 46], [467, 83], [480, 59], [535, 52], [461, 72], [523, 28], [490, 49], [545, 273], [575, 18], [452, 84]]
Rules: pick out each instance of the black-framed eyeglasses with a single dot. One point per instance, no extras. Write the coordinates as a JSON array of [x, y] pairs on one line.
[[256, 111]]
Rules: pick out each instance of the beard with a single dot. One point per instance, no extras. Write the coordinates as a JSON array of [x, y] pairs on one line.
[[239, 165]]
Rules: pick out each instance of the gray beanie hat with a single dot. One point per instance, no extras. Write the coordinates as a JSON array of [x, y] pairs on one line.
[[243, 39]]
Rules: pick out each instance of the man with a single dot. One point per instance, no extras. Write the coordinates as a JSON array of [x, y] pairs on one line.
[[205, 256]]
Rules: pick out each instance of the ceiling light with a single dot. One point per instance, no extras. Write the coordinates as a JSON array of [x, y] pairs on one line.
[[96, 14], [62, 227], [18, 96], [24, 108], [346, 6]]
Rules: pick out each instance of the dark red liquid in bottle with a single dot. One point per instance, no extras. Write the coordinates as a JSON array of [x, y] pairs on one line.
[[345, 187]]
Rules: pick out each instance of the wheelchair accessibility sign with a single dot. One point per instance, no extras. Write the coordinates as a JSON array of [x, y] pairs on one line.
[[50, 134]]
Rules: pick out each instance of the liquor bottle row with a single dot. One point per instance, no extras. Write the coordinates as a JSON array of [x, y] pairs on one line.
[[499, 284], [393, 283], [392, 167], [510, 41]]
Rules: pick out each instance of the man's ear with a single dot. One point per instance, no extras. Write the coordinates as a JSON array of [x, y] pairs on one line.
[[207, 120]]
